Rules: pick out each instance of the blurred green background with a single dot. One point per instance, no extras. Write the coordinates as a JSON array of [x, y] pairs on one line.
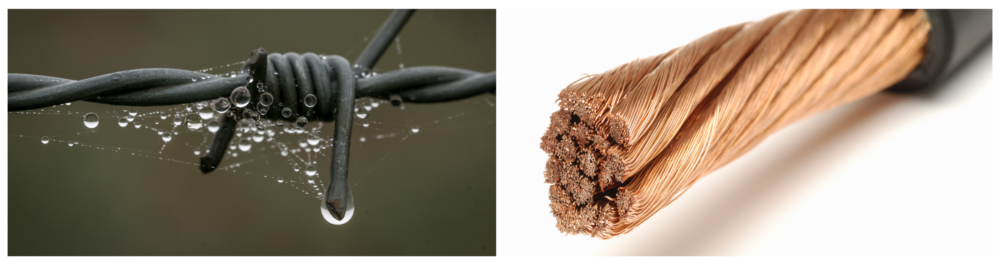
[[430, 194]]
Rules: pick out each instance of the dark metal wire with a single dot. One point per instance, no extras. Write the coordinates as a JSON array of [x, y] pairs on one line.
[[287, 77]]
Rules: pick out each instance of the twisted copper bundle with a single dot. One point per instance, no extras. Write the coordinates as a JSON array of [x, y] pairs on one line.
[[629, 141]]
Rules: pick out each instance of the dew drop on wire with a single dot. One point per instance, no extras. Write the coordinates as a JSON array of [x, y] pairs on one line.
[[250, 79], [240, 97], [266, 99], [213, 126], [301, 122], [311, 170], [362, 113], [122, 122], [45, 139], [91, 120], [194, 121], [309, 100], [415, 129], [244, 145], [395, 100], [205, 113], [114, 77], [221, 105]]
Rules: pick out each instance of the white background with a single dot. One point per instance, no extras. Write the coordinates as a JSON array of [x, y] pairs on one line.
[[890, 175]]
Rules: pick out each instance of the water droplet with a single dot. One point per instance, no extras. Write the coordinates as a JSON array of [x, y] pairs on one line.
[[301, 122], [250, 79], [286, 112], [310, 170], [197, 152], [240, 97], [114, 77], [362, 139], [313, 139], [258, 136], [331, 215], [122, 122], [260, 87], [395, 100], [302, 143], [91, 120], [166, 137], [415, 129], [205, 113], [311, 179], [136, 125], [309, 100], [70, 144], [232, 73], [130, 118], [244, 145], [362, 113], [254, 115], [213, 126], [194, 121], [163, 116], [400, 66], [284, 152], [281, 180], [296, 167], [364, 124], [132, 112], [178, 121], [193, 79], [262, 109], [266, 99], [221, 105], [45, 139]]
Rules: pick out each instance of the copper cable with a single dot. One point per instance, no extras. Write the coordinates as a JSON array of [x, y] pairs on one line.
[[629, 141]]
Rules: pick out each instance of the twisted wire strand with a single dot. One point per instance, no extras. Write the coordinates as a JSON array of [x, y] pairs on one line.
[[614, 162]]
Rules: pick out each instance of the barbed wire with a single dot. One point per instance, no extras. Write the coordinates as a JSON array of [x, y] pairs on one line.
[[287, 78]]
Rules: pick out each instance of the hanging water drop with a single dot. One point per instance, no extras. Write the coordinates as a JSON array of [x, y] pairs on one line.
[[244, 145], [415, 129], [310, 170], [194, 121], [311, 180], [301, 122], [166, 137], [132, 112], [250, 79], [177, 121], [309, 100], [286, 112], [197, 152], [362, 139], [91, 120], [303, 143], [240, 97], [163, 115], [130, 118], [136, 125], [45, 139], [122, 122], [70, 144], [213, 126], [284, 152], [374, 104], [221, 105], [281, 180], [296, 167], [362, 113], [395, 100], [364, 124]]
